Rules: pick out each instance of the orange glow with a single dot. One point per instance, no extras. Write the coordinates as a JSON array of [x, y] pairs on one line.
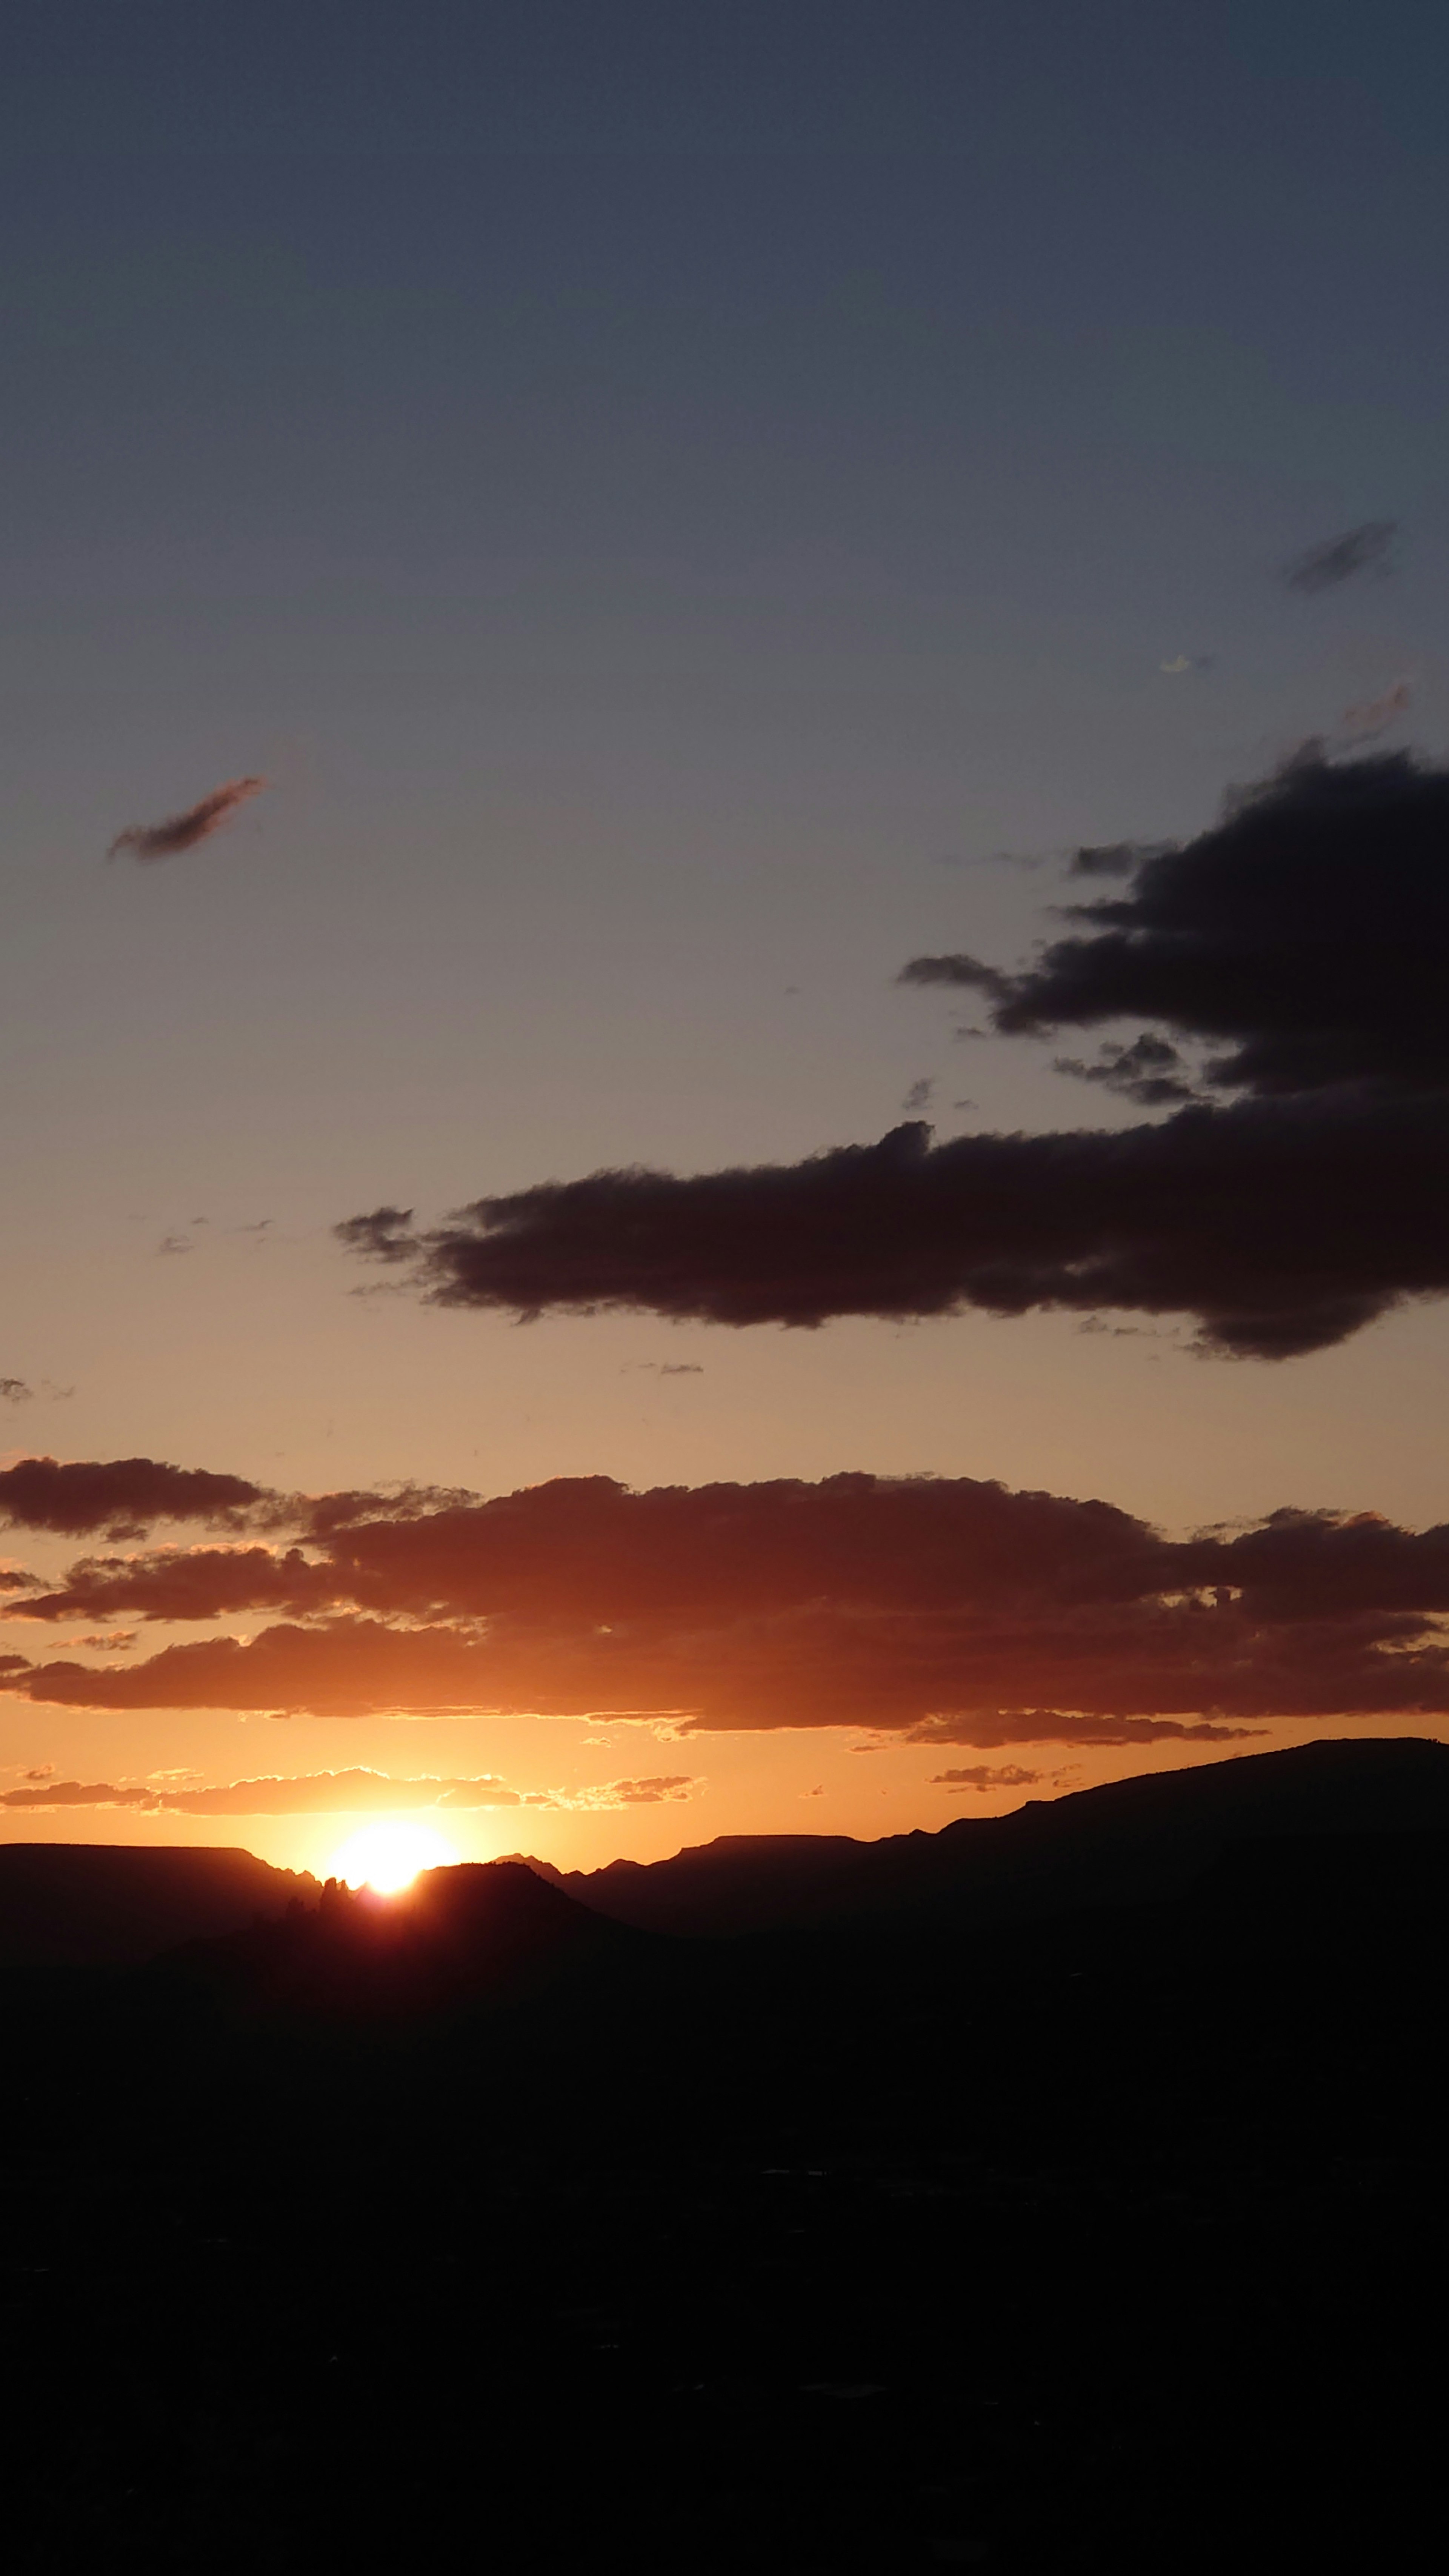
[[389, 1856]]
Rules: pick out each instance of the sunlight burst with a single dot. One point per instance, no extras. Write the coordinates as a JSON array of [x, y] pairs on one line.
[[389, 1856]]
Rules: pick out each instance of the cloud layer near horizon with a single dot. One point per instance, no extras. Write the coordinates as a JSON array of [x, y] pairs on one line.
[[947, 1610], [1303, 942], [320, 1793]]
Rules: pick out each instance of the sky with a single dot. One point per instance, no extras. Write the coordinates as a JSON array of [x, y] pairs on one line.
[[644, 540]]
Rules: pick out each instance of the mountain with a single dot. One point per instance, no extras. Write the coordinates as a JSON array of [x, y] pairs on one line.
[[1131, 1842], [475, 1934], [110, 1905], [947, 2224]]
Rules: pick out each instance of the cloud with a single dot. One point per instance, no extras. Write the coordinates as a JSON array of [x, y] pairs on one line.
[[1150, 1071], [918, 1096], [123, 1496], [658, 1792], [13, 1390], [1363, 724], [1335, 559], [186, 1583], [984, 1778], [384, 1235], [186, 831], [945, 1609], [1234, 1217], [1306, 934], [1183, 662], [318, 1793], [1301, 944]]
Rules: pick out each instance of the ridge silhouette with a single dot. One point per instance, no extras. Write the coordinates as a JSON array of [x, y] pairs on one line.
[[1128, 1841], [115, 1904], [1057, 2196]]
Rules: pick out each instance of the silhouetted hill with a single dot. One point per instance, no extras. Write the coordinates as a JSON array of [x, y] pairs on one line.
[[1126, 1843], [109, 1905], [477, 1933], [1092, 2228]]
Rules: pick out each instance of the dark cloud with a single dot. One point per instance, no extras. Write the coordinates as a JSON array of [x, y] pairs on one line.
[[123, 1496], [187, 1583], [185, 831], [385, 1235], [950, 1610], [13, 1390], [1306, 935], [1111, 859], [1302, 944], [1150, 1071], [1335, 559], [1281, 1226], [984, 1777]]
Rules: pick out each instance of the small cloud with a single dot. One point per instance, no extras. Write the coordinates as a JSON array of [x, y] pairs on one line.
[[623, 1793], [1365, 723], [1114, 858], [384, 1235], [13, 1390], [186, 831], [1187, 662], [1336, 559], [42, 1771], [170, 1243], [1150, 1071], [918, 1097], [984, 1777]]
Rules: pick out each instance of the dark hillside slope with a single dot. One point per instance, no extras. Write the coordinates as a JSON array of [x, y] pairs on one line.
[[1105, 2242], [112, 1905], [1127, 1843]]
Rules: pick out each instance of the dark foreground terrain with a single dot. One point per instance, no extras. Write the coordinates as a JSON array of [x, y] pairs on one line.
[[1094, 2225]]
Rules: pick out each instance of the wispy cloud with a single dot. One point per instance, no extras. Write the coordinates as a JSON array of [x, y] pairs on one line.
[[1366, 548], [178, 832], [1364, 723]]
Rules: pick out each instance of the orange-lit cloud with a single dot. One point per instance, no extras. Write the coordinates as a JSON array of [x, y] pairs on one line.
[[944, 1609], [354, 1792]]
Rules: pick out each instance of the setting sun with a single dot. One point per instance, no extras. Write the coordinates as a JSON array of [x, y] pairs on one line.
[[389, 1856]]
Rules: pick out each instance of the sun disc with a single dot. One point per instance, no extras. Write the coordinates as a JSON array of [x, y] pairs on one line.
[[389, 1856]]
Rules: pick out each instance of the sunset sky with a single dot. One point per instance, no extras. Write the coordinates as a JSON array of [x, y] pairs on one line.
[[587, 587]]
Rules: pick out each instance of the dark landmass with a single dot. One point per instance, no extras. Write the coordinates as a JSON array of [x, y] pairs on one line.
[[113, 1905], [1132, 1840], [1097, 2226]]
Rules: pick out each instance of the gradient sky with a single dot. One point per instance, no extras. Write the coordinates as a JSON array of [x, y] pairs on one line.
[[673, 500]]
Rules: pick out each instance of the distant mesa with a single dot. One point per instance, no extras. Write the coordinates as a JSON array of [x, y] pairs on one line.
[[1130, 1842], [114, 1905]]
